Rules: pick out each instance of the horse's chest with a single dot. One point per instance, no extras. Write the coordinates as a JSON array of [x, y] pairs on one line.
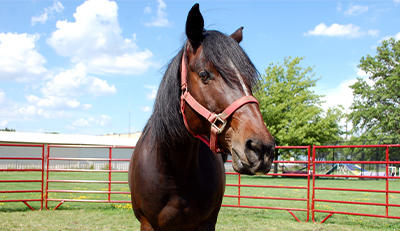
[[191, 206], [185, 212]]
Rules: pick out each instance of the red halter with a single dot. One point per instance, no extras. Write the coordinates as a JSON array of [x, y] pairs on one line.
[[211, 117]]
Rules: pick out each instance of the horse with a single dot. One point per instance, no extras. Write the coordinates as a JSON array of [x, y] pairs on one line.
[[204, 109]]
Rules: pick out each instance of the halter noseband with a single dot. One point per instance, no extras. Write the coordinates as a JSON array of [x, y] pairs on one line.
[[213, 118]]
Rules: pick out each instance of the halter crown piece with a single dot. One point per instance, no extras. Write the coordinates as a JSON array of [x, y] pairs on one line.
[[213, 118]]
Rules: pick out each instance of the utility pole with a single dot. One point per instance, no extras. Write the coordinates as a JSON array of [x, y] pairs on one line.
[[347, 115], [129, 128]]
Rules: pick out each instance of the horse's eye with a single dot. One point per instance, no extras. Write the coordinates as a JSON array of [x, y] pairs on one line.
[[204, 75]]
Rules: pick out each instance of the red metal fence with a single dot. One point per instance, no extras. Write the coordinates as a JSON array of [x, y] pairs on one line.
[[60, 184], [27, 193], [305, 188], [112, 186], [353, 190]]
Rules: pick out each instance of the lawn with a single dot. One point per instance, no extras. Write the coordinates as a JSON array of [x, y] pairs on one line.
[[119, 216]]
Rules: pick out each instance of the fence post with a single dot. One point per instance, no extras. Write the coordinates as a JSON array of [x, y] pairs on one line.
[[109, 174]]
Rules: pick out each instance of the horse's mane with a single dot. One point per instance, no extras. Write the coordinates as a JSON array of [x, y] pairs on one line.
[[166, 122], [220, 49]]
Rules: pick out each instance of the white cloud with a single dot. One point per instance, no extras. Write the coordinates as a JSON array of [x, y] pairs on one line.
[[161, 19], [396, 37], [339, 6], [152, 95], [19, 59], [81, 123], [41, 18], [343, 94], [8, 109], [2, 98], [95, 40], [147, 10], [337, 30], [3, 123], [62, 91], [70, 127], [33, 108], [374, 33], [56, 102], [30, 111], [362, 73], [98, 87], [146, 109], [356, 9], [76, 82], [153, 92], [48, 12], [102, 120]]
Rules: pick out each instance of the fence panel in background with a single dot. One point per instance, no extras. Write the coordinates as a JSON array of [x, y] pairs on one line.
[[349, 180], [87, 174], [362, 187], [22, 171], [276, 191]]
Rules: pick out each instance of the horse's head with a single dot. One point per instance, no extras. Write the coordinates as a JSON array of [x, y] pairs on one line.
[[218, 73]]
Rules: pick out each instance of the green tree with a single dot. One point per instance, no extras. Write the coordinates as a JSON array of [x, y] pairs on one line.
[[7, 130], [376, 108], [292, 111]]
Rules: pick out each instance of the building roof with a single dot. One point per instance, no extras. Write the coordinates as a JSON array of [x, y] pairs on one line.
[[62, 139]]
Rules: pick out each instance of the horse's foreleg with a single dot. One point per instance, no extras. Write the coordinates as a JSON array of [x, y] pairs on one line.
[[209, 224], [145, 225]]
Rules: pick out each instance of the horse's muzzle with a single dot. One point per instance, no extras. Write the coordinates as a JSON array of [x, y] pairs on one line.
[[257, 159]]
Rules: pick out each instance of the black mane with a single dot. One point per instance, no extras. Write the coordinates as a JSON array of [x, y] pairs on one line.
[[220, 49], [166, 123]]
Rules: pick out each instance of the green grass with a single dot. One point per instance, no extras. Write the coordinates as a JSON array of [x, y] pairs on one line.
[[119, 216]]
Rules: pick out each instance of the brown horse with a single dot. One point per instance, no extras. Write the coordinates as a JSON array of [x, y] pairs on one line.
[[176, 181]]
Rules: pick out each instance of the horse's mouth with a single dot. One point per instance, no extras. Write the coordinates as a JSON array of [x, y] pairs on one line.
[[238, 165], [243, 167]]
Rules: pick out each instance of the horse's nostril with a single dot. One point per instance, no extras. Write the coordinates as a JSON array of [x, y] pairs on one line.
[[257, 149], [253, 148]]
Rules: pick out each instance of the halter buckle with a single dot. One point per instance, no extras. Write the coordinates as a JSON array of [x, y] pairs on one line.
[[184, 88], [219, 129]]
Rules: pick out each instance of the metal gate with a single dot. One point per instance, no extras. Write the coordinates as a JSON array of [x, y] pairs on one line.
[[346, 169], [105, 167], [18, 153], [58, 188], [303, 197]]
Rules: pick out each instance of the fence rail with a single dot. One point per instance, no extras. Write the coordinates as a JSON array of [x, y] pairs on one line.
[[106, 168], [306, 187], [105, 162], [362, 175], [16, 169]]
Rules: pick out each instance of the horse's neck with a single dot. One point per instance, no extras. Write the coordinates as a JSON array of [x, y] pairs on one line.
[[180, 158]]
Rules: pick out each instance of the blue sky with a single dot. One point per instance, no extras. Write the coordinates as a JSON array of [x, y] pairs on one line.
[[77, 67]]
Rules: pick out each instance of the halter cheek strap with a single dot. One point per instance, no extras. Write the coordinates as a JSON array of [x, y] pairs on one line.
[[218, 121]]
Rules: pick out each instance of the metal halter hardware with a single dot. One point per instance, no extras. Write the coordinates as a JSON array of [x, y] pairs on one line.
[[219, 129], [213, 118]]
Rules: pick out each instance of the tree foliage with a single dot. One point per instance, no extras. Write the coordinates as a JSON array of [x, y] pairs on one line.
[[291, 110], [375, 108], [7, 130]]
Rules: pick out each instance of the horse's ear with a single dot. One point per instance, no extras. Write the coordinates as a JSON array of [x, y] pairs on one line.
[[195, 26], [238, 35]]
